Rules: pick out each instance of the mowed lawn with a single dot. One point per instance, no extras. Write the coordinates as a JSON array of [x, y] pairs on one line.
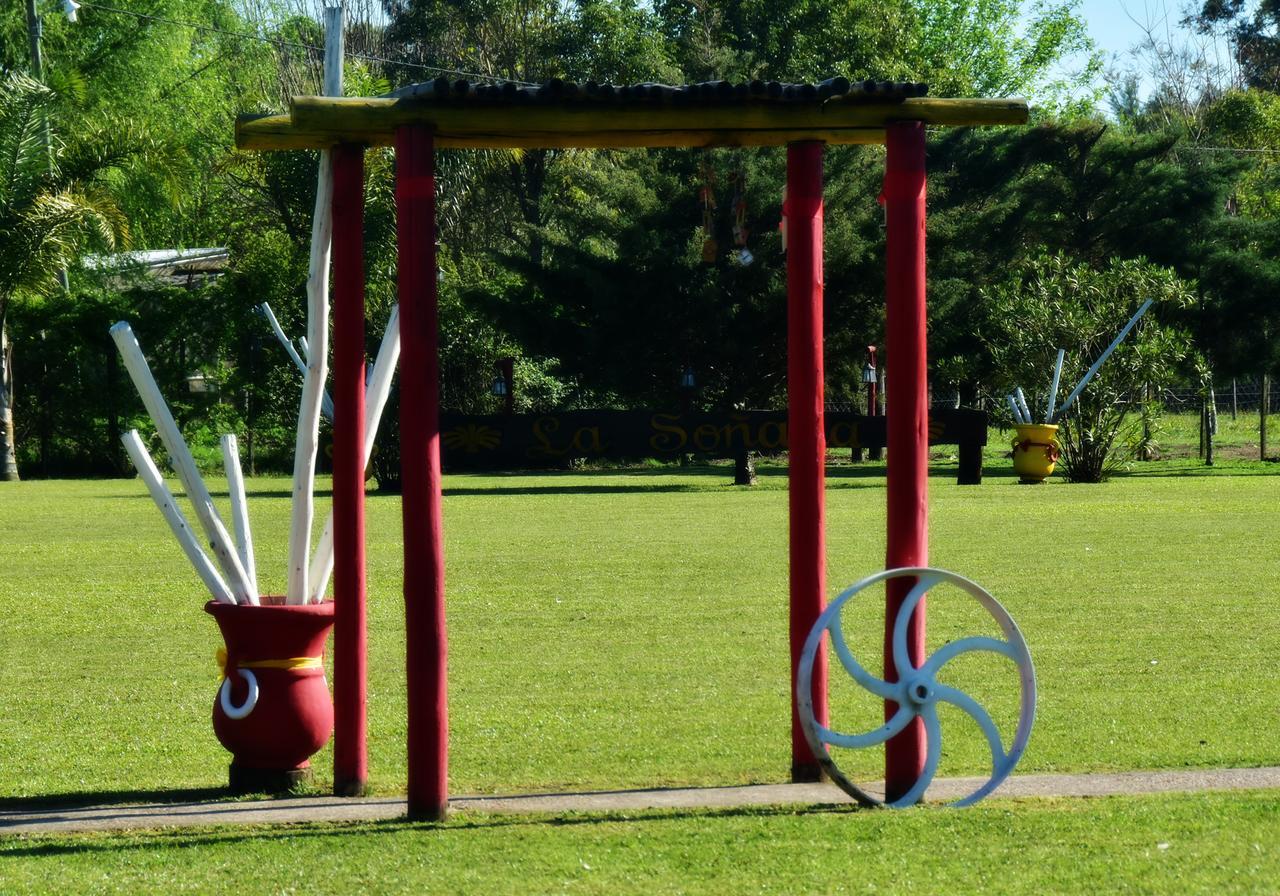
[[623, 629], [628, 629], [1159, 845]]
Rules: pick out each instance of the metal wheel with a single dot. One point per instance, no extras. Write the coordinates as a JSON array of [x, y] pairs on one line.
[[917, 691]]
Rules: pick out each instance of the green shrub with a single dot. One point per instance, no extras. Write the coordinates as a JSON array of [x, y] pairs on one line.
[[1053, 303]]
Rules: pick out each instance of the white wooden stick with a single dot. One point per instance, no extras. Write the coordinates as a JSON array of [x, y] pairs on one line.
[[183, 463], [384, 368], [1075, 393], [239, 508], [1053, 389], [164, 499], [326, 403], [1017, 411], [304, 457], [283, 339], [1022, 404], [333, 50]]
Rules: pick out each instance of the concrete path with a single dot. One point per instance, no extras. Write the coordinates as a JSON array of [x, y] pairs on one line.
[[46, 820]]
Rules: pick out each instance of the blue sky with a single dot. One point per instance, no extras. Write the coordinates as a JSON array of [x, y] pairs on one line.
[[1111, 25], [1117, 27]]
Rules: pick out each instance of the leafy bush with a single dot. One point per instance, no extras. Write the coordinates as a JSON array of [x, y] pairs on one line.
[[1053, 303]]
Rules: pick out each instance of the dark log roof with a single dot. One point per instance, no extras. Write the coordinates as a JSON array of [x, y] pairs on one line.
[[719, 93], [561, 114]]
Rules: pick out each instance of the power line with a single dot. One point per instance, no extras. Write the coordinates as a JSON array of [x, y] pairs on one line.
[[1234, 149], [280, 42]]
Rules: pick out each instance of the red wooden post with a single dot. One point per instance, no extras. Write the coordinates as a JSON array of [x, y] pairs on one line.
[[806, 439], [426, 642], [907, 413], [350, 756]]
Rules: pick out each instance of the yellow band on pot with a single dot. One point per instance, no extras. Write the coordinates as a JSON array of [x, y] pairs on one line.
[[294, 662]]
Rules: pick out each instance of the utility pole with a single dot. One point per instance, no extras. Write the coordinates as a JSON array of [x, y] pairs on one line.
[[34, 28]]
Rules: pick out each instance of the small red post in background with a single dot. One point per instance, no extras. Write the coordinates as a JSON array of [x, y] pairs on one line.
[[426, 642], [350, 754], [907, 413], [805, 433]]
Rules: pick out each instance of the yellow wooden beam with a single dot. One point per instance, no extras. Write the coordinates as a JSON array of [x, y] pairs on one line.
[[323, 121], [275, 132]]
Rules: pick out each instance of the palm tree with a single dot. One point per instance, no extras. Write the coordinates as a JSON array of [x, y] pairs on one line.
[[50, 206]]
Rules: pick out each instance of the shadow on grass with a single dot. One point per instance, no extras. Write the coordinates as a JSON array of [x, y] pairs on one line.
[[54, 844], [85, 799], [700, 478], [1197, 469], [253, 493]]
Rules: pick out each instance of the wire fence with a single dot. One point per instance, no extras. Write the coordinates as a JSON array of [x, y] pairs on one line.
[[1231, 396]]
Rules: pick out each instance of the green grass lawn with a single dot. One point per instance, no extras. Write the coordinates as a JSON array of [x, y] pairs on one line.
[[620, 629], [1213, 843], [628, 628]]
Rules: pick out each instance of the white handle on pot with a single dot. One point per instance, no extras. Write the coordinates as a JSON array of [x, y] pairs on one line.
[[224, 696]]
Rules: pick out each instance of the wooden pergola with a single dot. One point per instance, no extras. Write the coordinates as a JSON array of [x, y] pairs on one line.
[[459, 115]]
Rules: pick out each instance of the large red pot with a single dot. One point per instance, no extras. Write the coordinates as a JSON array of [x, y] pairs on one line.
[[273, 709]]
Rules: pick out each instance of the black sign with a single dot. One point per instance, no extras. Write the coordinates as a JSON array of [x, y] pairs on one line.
[[540, 440]]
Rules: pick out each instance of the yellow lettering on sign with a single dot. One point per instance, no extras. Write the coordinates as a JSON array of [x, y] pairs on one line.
[[844, 435], [543, 428], [587, 440], [667, 437]]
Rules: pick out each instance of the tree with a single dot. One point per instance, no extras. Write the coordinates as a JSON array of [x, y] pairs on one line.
[[1083, 188], [586, 40], [960, 47], [1254, 31], [1054, 302], [1249, 121], [49, 207]]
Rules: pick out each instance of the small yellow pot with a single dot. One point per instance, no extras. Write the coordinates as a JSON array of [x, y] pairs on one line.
[[1035, 451]]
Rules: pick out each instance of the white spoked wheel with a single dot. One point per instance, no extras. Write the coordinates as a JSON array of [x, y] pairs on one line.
[[250, 701], [917, 691]]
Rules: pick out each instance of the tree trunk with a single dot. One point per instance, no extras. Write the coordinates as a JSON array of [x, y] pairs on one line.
[[46, 409], [1203, 414], [1262, 416], [529, 174], [8, 453], [1210, 425], [744, 468], [112, 447], [1146, 451]]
